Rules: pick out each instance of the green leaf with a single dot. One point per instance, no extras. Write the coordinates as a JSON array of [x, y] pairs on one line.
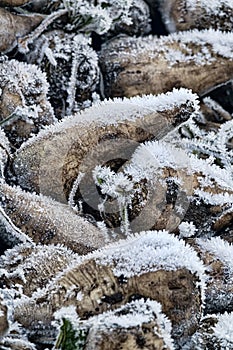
[[70, 338]]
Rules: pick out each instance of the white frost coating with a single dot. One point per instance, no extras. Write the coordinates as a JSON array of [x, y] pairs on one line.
[[223, 330], [221, 249], [4, 151], [139, 311], [26, 79], [214, 145], [9, 342], [119, 187], [4, 142], [223, 177], [149, 251], [151, 156], [147, 163], [187, 229], [130, 315], [68, 312], [144, 252], [81, 52], [77, 61], [135, 314], [119, 110], [22, 259], [211, 143], [215, 199]]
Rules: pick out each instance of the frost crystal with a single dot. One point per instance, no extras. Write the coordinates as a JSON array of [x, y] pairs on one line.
[[221, 249], [213, 144], [223, 330], [210, 156], [25, 79], [4, 151], [24, 108], [50, 221], [72, 68], [34, 266], [187, 229], [148, 251], [197, 14]]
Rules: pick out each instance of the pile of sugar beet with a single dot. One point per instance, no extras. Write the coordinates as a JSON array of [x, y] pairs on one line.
[[116, 174]]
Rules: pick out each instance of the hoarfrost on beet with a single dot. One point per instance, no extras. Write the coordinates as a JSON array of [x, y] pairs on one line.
[[130, 315], [221, 249], [210, 43], [119, 110], [211, 7]]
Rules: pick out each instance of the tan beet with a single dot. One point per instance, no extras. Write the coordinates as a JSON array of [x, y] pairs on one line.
[[24, 106], [13, 2], [29, 267], [14, 26], [101, 133], [196, 60], [4, 324], [184, 15], [216, 255], [45, 221]]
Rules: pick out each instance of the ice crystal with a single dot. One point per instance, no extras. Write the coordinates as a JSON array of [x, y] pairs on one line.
[[138, 254], [223, 330], [25, 79], [117, 186], [209, 156], [149, 250], [24, 100], [43, 262], [71, 65], [187, 229], [199, 14], [16, 338], [10, 232], [212, 144], [150, 157], [215, 199], [12, 342], [4, 152], [221, 249], [147, 163]]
